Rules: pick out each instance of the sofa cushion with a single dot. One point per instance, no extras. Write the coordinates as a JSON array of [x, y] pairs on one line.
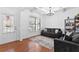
[[45, 30], [51, 30]]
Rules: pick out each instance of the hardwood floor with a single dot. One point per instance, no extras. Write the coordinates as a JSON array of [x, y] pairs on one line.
[[24, 46]]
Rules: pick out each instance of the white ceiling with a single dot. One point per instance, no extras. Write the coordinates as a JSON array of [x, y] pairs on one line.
[[47, 9], [40, 10]]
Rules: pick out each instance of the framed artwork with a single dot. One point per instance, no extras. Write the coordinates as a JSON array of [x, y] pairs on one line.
[[8, 23]]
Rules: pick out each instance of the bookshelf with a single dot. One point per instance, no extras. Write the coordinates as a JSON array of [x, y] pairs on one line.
[[69, 25], [77, 24]]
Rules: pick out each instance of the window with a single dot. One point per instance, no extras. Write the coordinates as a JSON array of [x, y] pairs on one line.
[[34, 24]]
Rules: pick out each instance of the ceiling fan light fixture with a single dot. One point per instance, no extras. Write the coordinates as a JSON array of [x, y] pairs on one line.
[[50, 13], [50, 10]]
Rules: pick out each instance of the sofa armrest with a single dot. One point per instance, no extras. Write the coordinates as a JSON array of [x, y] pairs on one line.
[[68, 42]]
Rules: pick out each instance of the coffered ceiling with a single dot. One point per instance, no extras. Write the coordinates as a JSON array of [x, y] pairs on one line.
[[40, 10], [47, 9]]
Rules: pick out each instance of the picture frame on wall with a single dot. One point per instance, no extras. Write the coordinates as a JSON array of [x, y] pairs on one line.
[[8, 23]]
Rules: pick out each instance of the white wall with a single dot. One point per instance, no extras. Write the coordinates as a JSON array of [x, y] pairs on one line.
[[21, 22], [57, 20], [8, 37], [24, 24]]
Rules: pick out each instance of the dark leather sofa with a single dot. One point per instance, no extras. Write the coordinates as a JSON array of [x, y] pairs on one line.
[[65, 46], [51, 32]]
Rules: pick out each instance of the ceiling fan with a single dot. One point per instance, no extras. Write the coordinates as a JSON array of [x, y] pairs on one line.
[[50, 13]]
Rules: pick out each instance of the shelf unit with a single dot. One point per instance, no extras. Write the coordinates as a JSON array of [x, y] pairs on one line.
[[69, 25], [77, 24]]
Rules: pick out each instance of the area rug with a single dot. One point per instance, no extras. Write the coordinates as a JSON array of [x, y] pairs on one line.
[[44, 41]]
